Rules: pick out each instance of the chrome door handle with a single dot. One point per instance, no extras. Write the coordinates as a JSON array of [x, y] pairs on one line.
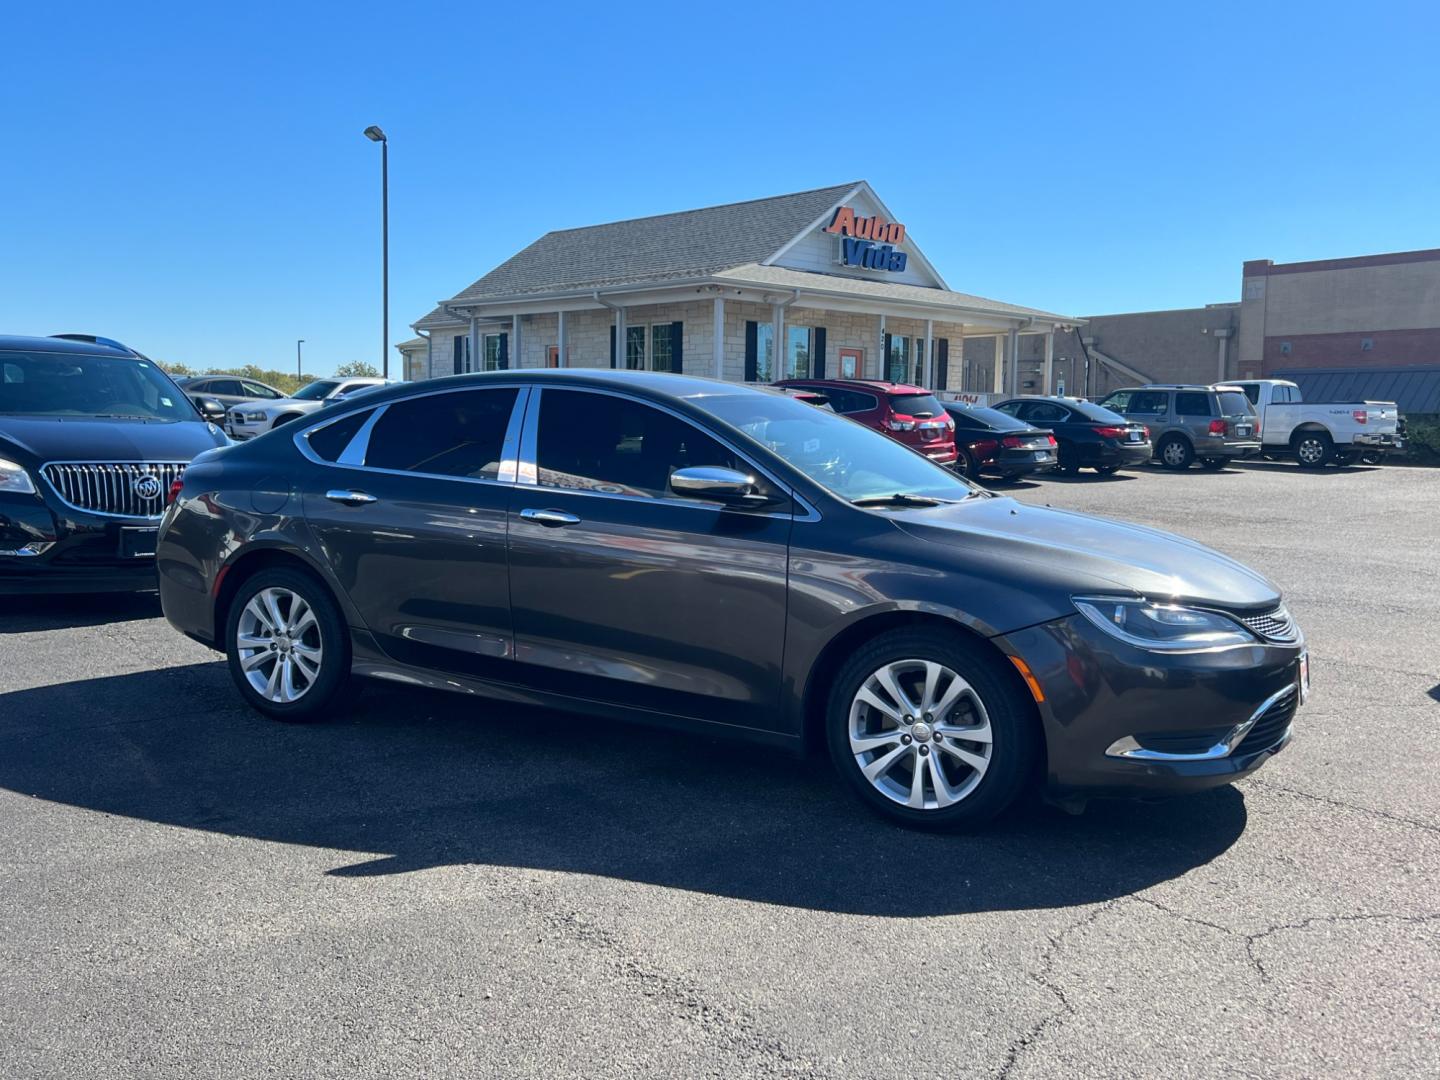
[[350, 497], [550, 518]]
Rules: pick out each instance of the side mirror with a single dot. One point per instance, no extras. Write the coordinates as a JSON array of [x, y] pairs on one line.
[[714, 482], [211, 409]]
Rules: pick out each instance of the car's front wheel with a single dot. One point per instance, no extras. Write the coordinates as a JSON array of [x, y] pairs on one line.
[[930, 730], [287, 645]]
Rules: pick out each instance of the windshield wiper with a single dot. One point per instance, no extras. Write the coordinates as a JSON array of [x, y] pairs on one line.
[[120, 416], [900, 498]]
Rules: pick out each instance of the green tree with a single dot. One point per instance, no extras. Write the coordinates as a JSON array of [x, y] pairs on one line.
[[357, 369]]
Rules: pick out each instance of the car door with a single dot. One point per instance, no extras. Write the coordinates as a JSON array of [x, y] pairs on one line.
[[623, 591], [410, 516]]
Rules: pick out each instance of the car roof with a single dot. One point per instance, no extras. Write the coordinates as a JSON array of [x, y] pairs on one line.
[[879, 385], [96, 347]]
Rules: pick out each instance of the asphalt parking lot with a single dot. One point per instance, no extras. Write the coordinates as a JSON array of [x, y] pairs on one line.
[[442, 887]]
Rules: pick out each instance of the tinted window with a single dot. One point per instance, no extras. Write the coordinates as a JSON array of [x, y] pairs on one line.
[[315, 390], [330, 441], [228, 387], [259, 390], [918, 405], [1193, 403], [1044, 412], [1119, 401], [985, 418], [1088, 410], [1010, 407], [1253, 393], [850, 401], [1150, 402], [599, 442], [1234, 403], [852, 460], [456, 434]]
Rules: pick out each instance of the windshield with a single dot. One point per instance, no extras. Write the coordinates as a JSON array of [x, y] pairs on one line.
[[845, 457], [991, 418], [1234, 403], [315, 390], [73, 384], [919, 406], [1097, 413]]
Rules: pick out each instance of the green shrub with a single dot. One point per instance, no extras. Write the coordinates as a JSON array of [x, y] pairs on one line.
[[1422, 433]]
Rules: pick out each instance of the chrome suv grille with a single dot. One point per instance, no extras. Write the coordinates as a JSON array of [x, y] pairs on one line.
[[116, 488], [1274, 625]]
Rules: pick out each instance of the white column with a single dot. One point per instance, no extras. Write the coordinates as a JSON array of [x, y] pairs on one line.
[[560, 339], [719, 344], [474, 359], [957, 353], [1012, 358], [997, 377], [777, 360], [880, 351], [929, 365], [514, 342], [620, 338], [1049, 361]]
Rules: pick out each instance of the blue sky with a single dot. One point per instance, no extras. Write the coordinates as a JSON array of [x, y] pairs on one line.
[[193, 179]]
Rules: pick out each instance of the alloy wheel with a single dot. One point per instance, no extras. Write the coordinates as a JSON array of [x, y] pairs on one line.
[[1310, 450], [279, 645], [1174, 453], [920, 734]]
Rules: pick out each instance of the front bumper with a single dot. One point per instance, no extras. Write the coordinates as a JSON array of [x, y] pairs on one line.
[[78, 551], [1105, 699]]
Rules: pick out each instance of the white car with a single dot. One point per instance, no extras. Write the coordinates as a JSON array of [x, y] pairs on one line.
[[257, 417], [1318, 433]]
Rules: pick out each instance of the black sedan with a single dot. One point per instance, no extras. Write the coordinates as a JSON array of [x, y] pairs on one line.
[[993, 443], [92, 438], [727, 559], [1090, 437]]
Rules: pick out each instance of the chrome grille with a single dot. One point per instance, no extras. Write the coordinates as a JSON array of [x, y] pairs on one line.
[[1271, 725], [1276, 625], [109, 487]]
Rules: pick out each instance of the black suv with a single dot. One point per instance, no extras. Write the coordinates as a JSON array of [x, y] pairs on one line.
[[93, 436]]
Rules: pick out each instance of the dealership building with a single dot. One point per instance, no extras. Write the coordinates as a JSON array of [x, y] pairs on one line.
[[823, 283]]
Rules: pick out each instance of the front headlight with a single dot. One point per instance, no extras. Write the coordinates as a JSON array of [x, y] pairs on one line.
[[1165, 627], [254, 417], [14, 480]]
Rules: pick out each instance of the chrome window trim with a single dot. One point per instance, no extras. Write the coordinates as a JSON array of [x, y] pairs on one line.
[[182, 465], [529, 465], [358, 447], [1128, 747]]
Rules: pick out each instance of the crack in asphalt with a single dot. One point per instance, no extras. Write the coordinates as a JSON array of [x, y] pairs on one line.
[[1251, 940], [1042, 978], [736, 1030], [1327, 800]]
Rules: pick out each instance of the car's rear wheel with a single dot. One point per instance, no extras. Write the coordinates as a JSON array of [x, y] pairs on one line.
[[966, 465], [1312, 449], [287, 645], [1107, 470], [930, 730], [1214, 464], [1065, 462], [1175, 452]]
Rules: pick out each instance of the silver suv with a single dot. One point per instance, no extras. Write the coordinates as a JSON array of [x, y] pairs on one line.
[[1214, 424]]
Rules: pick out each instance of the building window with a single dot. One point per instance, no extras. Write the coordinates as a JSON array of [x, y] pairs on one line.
[[661, 353], [492, 352], [1284, 348], [897, 364], [635, 348], [797, 352], [765, 352]]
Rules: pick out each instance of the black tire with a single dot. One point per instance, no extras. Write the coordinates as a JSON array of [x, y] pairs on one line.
[[1312, 449], [1015, 735], [1214, 464], [1107, 470], [1347, 459], [1175, 452], [330, 689], [1065, 463], [967, 466], [1373, 457]]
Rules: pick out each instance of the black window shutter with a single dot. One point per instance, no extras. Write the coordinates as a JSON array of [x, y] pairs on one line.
[[752, 351], [942, 363], [612, 344], [677, 347], [817, 367], [885, 357], [504, 352], [459, 353]]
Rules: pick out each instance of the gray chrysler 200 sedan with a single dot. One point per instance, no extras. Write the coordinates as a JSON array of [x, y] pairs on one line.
[[725, 558]]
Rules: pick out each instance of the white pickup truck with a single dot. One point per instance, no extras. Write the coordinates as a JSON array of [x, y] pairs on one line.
[[1319, 433]]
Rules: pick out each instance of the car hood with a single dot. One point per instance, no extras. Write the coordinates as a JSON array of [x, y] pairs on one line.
[[67, 438], [1075, 553]]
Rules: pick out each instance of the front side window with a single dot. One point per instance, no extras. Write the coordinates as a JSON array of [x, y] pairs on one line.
[[608, 444], [1119, 401], [73, 384], [259, 391], [460, 433], [1193, 403], [797, 352]]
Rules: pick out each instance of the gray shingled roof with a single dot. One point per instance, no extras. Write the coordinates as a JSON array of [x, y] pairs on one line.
[[1415, 390]]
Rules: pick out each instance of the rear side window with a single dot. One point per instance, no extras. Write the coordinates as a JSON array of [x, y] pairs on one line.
[[329, 442], [1193, 403], [1045, 412], [1150, 402], [1234, 403], [918, 405], [849, 401], [460, 433]]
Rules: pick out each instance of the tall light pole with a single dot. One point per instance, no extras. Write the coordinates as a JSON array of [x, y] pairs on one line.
[[374, 134], [298, 343]]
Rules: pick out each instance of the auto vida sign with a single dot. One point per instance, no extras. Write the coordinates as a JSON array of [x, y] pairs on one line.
[[868, 242]]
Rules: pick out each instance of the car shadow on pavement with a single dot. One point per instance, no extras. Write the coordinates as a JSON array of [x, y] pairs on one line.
[[412, 779], [27, 614]]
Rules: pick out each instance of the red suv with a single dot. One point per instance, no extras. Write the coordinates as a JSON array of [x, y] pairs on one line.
[[908, 414]]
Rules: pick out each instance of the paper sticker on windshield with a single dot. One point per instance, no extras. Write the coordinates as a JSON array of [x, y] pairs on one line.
[[166, 402]]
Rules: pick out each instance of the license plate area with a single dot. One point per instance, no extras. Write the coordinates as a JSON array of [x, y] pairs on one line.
[[1304, 677], [1133, 436], [137, 543]]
